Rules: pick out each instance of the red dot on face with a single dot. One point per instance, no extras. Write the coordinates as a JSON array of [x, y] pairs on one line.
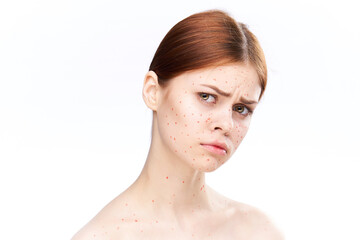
[[167, 177], [185, 125], [190, 146], [136, 220], [175, 122], [179, 101], [174, 138], [153, 200], [182, 181], [208, 159], [172, 109], [168, 123], [197, 121]]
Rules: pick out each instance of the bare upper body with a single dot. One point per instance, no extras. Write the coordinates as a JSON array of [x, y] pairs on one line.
[[125, 219], [194, 132]]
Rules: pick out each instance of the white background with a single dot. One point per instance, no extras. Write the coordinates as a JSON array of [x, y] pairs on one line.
[[74, 131]]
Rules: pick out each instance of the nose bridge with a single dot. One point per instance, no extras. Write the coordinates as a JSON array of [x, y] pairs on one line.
[[224, 120]]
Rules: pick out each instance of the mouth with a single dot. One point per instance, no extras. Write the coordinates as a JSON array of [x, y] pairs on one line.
[[216, 148]]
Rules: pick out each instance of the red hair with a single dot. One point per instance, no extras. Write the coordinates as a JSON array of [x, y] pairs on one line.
[[207, 39]]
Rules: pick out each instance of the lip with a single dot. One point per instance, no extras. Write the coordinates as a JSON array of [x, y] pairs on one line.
[[216, 147]]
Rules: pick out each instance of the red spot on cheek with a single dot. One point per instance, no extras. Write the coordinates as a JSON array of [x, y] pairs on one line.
[[152, 200], [167, 177], [136, 220], [172, 109], [175, 122], [182, 181]]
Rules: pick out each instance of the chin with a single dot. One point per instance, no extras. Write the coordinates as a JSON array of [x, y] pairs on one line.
[[209, 167]]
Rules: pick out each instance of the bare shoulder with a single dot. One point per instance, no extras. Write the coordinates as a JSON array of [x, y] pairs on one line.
[[246, 221], [255, 223], [103, 226], [97, 229]]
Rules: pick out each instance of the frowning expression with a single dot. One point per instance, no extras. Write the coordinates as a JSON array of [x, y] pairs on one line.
[[205, 114]]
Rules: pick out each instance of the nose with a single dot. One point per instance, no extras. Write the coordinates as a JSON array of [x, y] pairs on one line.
[[224, 122]]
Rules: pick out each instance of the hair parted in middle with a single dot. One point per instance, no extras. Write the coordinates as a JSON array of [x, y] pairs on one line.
[[207, 39]]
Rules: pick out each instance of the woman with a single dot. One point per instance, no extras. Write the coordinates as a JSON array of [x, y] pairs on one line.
[[205, 80]]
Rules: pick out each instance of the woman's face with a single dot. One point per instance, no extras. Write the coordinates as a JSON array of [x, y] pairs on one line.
[[204, 115]]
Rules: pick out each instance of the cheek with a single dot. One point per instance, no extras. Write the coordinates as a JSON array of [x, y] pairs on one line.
[[239, 133], [178, 124]]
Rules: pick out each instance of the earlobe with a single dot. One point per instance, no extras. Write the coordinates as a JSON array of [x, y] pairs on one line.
[[151, 90]]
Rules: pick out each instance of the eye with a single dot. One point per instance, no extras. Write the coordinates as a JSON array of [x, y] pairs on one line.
[[243, 110], [206, 97]]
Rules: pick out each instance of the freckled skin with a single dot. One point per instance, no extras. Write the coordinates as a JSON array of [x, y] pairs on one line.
[[205, 121], [170, 199]]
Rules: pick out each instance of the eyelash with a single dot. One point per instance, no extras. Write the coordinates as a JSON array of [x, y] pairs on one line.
[[249, 111]]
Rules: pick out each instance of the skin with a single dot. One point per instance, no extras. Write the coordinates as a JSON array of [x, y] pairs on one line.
[[170, 199]]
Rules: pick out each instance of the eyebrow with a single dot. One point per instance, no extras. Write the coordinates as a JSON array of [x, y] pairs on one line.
[[242, 99]]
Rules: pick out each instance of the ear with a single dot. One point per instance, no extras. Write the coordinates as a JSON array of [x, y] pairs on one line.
[[151, 90]]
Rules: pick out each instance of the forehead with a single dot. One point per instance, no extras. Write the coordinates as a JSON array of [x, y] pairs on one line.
[[227, 77]]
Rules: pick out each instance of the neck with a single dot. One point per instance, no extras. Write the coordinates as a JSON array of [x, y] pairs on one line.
[[169, 184]]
